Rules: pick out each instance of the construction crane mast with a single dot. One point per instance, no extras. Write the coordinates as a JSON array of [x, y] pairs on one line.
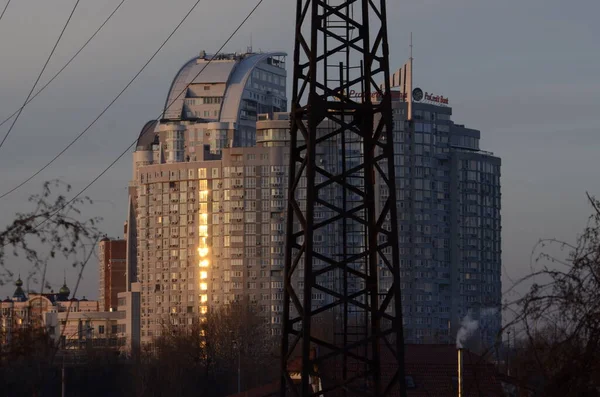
[[338, 322]]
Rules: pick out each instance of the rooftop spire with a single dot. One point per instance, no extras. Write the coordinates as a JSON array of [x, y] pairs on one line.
[[64, 292], [19, 294], [411, 47]]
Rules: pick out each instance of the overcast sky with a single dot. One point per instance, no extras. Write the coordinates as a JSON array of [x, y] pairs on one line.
[[523, 72]]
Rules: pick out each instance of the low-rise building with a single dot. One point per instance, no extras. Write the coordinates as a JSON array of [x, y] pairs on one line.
[[112, 256], [128, 323], [79, 329], [61, 317]]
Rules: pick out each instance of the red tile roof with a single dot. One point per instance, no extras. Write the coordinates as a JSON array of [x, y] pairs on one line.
[[432, 368], [434, 371]]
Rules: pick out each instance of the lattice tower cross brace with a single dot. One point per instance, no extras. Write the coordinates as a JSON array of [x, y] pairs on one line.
[[317, 98]]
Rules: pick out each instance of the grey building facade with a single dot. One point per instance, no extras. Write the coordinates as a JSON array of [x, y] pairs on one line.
[[206, 218], [449, 224]]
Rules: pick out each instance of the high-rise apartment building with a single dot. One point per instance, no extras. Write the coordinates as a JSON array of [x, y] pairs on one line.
[[200, 221], [208, 199], [112, 256], [448, 194]]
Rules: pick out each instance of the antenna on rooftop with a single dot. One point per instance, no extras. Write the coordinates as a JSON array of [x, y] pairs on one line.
[[411, 47], [249, 49]]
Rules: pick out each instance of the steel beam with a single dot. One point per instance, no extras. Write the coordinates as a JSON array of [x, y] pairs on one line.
[[341, 149]]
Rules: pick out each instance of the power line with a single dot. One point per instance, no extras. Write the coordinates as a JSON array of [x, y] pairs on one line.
[[41, 72], [66, 64], [158, 117], [4, 10], [108, 106]]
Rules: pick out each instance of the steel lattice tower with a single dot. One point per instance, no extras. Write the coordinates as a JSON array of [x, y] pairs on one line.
[[336, 318]]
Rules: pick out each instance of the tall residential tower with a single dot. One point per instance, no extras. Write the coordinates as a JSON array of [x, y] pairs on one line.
[[207, 201], [208, 197]]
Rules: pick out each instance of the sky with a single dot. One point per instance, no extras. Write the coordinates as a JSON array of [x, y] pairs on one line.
[[525, 73]]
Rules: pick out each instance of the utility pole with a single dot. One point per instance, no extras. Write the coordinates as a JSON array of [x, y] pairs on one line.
[[508, 355], [238, 346], [239, 377], [341, 151], [63, 378]]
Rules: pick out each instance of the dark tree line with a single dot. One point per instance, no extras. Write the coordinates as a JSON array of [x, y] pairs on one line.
[[201, 360]]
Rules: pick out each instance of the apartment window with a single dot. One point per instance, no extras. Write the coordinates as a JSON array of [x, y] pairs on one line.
[[250, 183], [101, 329]]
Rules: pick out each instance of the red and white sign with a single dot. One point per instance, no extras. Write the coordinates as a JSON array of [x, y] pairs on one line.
[[429, 96], [396, 95]]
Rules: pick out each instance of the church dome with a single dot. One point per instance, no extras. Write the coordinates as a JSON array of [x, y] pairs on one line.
[[64, 290], [19, 294]]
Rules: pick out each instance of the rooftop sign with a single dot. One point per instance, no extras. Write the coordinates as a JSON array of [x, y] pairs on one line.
[[396, 95], [418, 96]]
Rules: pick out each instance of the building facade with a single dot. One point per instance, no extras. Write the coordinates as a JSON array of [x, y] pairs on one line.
[[112, 257], [199, 230], [207, 205], [128, 322], [448, 193], [84, 327], [60, 316]]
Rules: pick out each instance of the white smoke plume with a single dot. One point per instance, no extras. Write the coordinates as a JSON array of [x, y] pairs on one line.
[[467, 327]]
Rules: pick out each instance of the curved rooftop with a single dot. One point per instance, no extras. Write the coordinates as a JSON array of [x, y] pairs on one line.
[[231, 69], [237, 82], [64, 292], [147, 136]]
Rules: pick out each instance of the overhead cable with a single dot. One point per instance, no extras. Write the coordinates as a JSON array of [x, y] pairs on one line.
[[41, 72], [158, 117], [66, 64], [4, 10], [107, 107]]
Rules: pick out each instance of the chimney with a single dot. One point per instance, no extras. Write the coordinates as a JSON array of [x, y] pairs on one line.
[[461, 359]]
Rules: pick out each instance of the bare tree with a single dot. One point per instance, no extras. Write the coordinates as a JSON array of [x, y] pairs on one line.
[[559, 318], [206, 357], [53, 229], [239, 342]]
